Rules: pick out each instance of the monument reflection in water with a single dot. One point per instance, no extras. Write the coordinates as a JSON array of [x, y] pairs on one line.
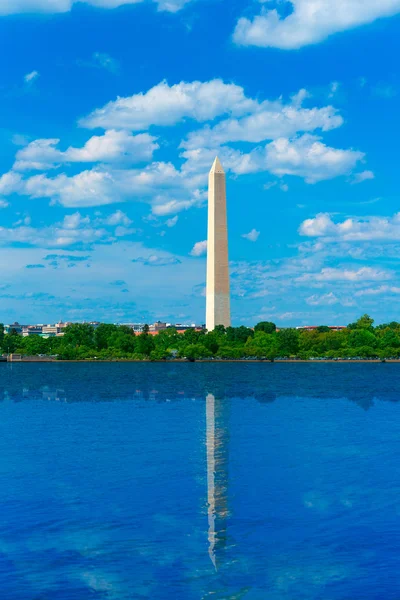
[[217, 415]]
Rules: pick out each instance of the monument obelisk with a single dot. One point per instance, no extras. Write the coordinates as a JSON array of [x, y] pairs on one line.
[[218, 311]]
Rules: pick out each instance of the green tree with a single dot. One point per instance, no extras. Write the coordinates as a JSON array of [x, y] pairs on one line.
[[120, 340], [196, 351], [238, 334], [102, 335], [364, 322], [265, 326], [288, 342], [79, 334], [220, 330], [144, 344], [11, 341], [211, 342], [361, 337], [389, 339]]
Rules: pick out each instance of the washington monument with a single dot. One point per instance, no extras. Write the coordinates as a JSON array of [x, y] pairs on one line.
[[218, 311]]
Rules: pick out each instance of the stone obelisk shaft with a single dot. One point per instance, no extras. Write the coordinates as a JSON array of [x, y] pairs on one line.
[[218, 292]]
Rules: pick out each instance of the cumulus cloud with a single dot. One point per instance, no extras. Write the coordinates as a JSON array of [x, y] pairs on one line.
[[113, 146], [12, 7], [95, 187], [363, 176], [74, 229], [199, 249], [157, 261], [52, 237], [252, 236], [308, 157], [383, 289], [352, 229], [162, 206], [167, 105], [347, 274], [269, 120], [118, 218], [322, 300], [305, 156], [310, 22], [114, 177]]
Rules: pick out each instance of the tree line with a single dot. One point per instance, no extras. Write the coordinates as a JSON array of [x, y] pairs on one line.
[[81, 341]]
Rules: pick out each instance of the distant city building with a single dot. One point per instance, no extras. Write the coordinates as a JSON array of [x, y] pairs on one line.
[[14, 326], [159, 326], [314, 327], [58, 329], [28, 330]]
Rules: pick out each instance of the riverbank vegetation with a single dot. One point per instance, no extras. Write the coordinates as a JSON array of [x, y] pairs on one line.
[[81, 341]]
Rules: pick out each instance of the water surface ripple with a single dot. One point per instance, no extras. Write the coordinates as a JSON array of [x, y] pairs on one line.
[[199, 481]]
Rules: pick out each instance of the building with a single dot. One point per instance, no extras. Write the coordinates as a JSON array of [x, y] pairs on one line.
[[218, 289], [159, 326], [14, 327], [29, 330], [315, 327]]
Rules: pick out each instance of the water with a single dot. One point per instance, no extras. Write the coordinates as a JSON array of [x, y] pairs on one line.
[[199, 481]]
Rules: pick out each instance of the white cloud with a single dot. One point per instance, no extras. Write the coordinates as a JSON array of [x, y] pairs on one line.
[[111, 147], [252, 236], [162, 185], [363, 176], [31, 77], [167, 105], [75, 221], [346, 274], [383, 289], [199, 248], [157, 261], [12, 7], [305, 156], [310, 22], [267, 121], [333, 88], [74, 229], [118, 218], [308, 157], [324, 300], [10, 183], [57, 236], [98, 187], [352, 229], [319, 226], [162, 206], [172, 222]]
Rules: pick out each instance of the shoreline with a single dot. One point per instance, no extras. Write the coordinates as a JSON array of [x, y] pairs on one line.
[[175, 361]]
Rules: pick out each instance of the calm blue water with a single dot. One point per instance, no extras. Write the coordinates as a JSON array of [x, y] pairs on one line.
[[200, 481]]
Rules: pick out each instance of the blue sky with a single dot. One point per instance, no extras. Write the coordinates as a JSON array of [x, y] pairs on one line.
[[112, 112]]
